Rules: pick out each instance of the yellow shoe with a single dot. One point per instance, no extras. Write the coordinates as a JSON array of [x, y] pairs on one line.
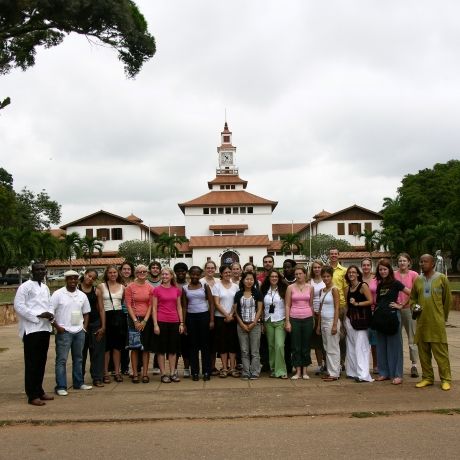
[[445, 386], [424, 383]]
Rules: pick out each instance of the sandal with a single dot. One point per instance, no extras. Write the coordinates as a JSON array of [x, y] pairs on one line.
[[382, 378], [118, 378], [223, 373], [145, 379], [330, 379], [165, 379], [296, 377], [135, 379], [214, 372], [107, 379], [174, 378], [98, 383], [284, 377], [397, 381], [235, 373]]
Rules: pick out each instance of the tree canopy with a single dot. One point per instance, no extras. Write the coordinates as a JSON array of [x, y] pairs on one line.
[[138, 251], [425, 214], [28, 24], [320, 245]]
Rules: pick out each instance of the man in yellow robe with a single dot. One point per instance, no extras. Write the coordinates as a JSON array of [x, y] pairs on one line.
[[431, 291]]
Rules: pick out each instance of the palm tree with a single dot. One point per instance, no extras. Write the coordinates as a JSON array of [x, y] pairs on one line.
[[168, 245], [47, 245], [71, 246], [23, 247], [391, 239], [371, 240], [291, 241], [442, 236], [416, 239], [89, 245]]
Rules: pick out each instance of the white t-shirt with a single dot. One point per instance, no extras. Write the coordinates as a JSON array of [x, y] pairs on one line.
[[69, 308], [226, 297], [273, 297], [213, 287], [317, 286]]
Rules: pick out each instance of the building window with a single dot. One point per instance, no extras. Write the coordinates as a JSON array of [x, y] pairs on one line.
[[103, 234], [117, 233], [89, 232], [205, 210], [232, 187], [368, 226], [251, 259], [213, 210], [228, 210], [340, 228], [208, 259], [222, 187], [354, 229], [242, 210], [250, 210], [226, 139], [235, 210], [220, 210]]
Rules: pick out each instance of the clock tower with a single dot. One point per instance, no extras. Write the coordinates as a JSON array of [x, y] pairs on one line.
[[226, 153]]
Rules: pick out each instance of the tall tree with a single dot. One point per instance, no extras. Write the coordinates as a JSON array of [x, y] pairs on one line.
[[168, 245], [23, 245], [371, 240], [28, 24], [89, 245], [320, 245], [48, 246], [71, 246], [137, 251], [291, 243]]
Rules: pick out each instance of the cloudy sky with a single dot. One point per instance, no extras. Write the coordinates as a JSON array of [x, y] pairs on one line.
[[330, 104]]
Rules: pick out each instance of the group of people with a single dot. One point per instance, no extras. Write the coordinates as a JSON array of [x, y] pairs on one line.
[[250, 321]]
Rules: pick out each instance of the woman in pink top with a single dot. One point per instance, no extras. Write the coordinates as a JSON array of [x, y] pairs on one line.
[[299, 321], [168, 323], [407, 277], [138, 300], [369, 278]]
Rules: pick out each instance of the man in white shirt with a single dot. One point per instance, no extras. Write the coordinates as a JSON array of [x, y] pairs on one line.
[[32, 305], [71, 310]]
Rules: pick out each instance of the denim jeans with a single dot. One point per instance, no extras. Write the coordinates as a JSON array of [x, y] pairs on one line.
[[96, 351], [249, 344], [66, 342]]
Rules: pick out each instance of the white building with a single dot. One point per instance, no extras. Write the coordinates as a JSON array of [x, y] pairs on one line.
[[228, 223]]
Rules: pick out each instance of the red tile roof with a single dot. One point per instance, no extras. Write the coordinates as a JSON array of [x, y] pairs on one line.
[[228, 241], [227, 179], [124, 219], [96, 261], [134, 218], [227, 197], [178, 230], [285, 229], [229, 227]]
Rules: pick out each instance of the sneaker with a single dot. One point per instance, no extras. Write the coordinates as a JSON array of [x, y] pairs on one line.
[[86, 387], [254, 377], [62, 392], [244, 377], [445, 386], [413, 372], [156, 371], [186, 373]]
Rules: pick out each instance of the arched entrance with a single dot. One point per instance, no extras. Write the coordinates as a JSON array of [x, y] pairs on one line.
[[229, 257]]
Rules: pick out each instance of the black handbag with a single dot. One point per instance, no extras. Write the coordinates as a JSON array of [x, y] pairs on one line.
[[385, 320]]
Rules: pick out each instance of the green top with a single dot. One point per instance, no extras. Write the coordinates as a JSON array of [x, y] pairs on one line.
[[435, 298]]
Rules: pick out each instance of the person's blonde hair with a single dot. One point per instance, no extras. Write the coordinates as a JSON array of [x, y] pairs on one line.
[[171, 272]]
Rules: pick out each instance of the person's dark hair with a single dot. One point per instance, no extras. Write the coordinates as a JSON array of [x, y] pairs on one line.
[[119, 277], [243, 277], [359, 274], [130, 265], [327, 269], [247, 265], [268, 256], [153, 264], [282, 285], [292, 262], [391, 276], [195, 267], [224, 267], [180, 266], [37, 262], [88, 270]]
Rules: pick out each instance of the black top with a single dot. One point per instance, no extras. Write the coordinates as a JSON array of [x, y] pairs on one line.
[[92, 299], [389, 293], [357, 295], [256, 294]]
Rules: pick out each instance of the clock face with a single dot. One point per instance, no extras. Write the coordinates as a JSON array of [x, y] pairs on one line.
[[227, 158]]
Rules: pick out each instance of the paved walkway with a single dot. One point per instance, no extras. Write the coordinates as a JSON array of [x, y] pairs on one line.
[[218, 398]]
